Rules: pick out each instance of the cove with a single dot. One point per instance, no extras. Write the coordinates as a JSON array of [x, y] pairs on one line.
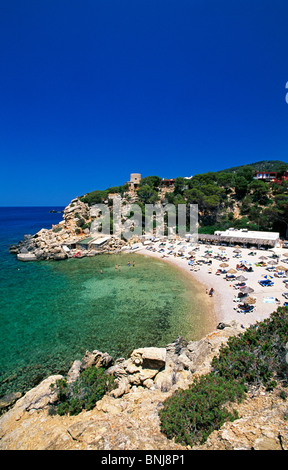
[[52, 312]]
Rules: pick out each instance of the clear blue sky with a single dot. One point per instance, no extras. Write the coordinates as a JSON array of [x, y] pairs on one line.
[[92, 90]]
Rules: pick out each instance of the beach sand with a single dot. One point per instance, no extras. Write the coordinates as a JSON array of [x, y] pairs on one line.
[[222, 305]]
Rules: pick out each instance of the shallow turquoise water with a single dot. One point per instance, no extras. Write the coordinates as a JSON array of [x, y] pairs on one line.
[[61, 309], [52, 312]]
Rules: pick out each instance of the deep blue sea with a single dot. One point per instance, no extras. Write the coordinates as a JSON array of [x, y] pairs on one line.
[[51, 312]]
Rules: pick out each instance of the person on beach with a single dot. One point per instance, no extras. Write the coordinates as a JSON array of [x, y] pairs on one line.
[[101, 271], [133, 263], [119, 268], [211, 292], [115, 266], [129, 264]]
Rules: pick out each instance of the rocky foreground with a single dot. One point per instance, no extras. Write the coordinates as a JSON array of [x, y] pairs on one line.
[[127, 418]]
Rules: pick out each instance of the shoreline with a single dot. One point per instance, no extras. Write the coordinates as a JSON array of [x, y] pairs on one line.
[[223, 305], [212, 304]]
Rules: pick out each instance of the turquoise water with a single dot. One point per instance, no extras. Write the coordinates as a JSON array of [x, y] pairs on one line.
[[52, 312]]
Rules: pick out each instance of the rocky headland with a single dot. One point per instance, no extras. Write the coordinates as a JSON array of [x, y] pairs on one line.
[[127, 417], [61, 241]]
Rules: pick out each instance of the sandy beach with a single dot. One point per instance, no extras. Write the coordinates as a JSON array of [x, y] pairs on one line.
[[205, 263]]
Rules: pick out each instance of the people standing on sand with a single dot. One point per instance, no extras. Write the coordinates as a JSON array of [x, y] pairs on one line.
[[211, 292]]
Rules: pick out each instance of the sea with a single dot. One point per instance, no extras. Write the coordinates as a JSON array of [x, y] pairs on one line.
[[52, 312]]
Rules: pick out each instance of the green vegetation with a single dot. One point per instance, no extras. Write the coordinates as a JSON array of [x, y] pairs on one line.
[[263, 165], [254, 358], [91, 386], [57, 229], [233, 198], [225, 198], [99, 196]]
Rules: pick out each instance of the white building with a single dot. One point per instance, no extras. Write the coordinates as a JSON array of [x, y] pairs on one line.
[[249, 236]]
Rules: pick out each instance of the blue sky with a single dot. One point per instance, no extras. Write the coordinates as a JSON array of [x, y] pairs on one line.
[[93, 90]]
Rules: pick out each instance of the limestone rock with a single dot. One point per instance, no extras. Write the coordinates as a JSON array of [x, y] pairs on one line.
[[9, 399], [96, 359], [149, 358], [36, 399], [128, 419], [74, 371]]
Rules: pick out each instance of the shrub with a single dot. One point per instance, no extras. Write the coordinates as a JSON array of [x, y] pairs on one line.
[[57, 229], [256, 357], [91, 386], [191, 415], [80, 222]]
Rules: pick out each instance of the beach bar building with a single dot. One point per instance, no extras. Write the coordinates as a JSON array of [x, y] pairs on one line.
[[242, 237], [98, 243], [92, 242]]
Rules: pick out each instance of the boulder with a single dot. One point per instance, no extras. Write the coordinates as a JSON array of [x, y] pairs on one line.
[[96, 359], [37, 398], [59, 256], [9, 399], [140, 369], [149, 358], [74, 371]]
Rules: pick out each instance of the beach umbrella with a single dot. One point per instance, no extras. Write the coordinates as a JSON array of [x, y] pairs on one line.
[[221, 248], [241, 278], [246, 290], [232, 271], [262, 257], [224, 265], [250, 300], [272, 262], [237, 250], [285, 254], [267, 276], [281, 268]]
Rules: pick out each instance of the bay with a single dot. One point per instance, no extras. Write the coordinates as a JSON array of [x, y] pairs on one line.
[[52, 312]]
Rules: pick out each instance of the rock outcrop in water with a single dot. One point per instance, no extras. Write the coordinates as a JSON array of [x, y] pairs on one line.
[[128, 419]]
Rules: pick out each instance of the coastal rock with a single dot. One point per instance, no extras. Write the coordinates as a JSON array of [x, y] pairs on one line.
[[36, 399], [142, 366], [59, 256], [96, 359], [262, 426], [9, 399], [129, 419], [74, 371], [149, 358]]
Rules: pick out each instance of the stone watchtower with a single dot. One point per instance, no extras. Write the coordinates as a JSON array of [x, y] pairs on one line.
[[134, 182]]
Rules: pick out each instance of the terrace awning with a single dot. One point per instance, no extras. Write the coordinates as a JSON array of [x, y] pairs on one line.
[[230, 239]]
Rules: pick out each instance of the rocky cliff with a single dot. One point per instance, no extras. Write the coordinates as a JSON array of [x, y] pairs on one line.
[[61, 241], [127, 418]]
